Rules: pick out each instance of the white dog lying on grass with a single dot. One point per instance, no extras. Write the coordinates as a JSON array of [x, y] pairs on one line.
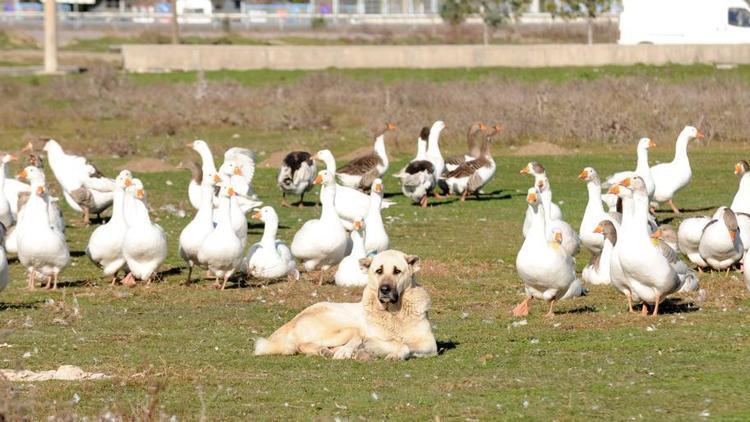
[[391, 320]]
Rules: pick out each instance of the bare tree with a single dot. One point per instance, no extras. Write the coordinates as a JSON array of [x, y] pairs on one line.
[[588, 9]]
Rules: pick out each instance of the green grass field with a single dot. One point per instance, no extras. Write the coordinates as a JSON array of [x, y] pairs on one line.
[[187, 351]]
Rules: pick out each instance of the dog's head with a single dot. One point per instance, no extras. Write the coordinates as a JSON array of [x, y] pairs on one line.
[[390, 273]]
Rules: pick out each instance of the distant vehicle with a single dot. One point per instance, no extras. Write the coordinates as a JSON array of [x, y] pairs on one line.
[[195, 11], [685, 22]]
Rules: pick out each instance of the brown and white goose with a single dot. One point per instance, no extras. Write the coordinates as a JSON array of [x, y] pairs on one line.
[[196, 179], [473, 143], [471, 176], [296, 176], [362, 171]]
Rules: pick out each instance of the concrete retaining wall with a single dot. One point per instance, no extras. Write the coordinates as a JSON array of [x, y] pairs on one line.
[[145, 58]]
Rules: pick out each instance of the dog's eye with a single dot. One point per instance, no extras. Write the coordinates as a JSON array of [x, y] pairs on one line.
[[396, 271], [379, 271]]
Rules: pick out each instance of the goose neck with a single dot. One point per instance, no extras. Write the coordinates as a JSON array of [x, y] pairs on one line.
[[327, 197], [421, 149], [358, 244], [270, 230]]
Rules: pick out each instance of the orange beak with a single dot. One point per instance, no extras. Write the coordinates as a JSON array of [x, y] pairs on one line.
[[599, 229], [40, 190], [238, 171], [531, 198], [737, 169], [651, 144], [28, 148], [189, 144], [482, 126], [23, 174], [378, 188], [625, 182], [318, 180], [217, 178], [657, 234], [128, 182], [700, 135], [614, 189], [357, 225], [733, 234], [524, 170], [257, 215], [558, 237], [140, 194], [231, 192], [391, 126], [584, 174]]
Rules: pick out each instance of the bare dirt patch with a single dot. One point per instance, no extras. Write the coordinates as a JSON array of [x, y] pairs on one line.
[[274, 160], [542, 148], [148, 165]]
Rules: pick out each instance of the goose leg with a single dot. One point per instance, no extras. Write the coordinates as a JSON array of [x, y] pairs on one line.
[[437, 195], [128, 280], [216, 285], [674, 207], [656, 306], [522, 309], [54, 280], [464, 195], [284, 202], [86, 220], [190, 273], [49, 283], [224, 284], [301, 201], [550, 314], [31, 280], [630, 303], [423, 201], [320, 278], [644, 309]]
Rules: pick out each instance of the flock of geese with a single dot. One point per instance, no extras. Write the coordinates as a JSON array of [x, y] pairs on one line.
[[629, 250]]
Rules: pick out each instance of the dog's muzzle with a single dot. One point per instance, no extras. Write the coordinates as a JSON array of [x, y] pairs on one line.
[[387, 294]]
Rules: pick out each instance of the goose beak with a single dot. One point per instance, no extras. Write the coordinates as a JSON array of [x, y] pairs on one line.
[[625, 182], [357, 225], [391, 126], [584, 174], [599, 229], [238, 171], [651, 144], [40, 191], [190, 145], [524, 170], [737, 169], [656, 235], [318, 180], [128, 182], [23, 174], [257, 215], [378, 188], [733, 234], [531, 198], [558, 237], [217, 178], [700, 135], [482, 126], [28, 148], [614, 190], [231, 192], [140, 193]]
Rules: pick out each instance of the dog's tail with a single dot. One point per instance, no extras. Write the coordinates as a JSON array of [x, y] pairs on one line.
[[274, 345]]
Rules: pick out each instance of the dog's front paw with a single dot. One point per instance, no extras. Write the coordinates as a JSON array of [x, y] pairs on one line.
[[343, 353], [396, 356], [326, 352]]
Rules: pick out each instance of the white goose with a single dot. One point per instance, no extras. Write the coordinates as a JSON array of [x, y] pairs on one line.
[[243, 159], [13, 188], [376, 239], [350, 204], [651, 276], [617, 276], [41, 246], [349, 272], [418, 178], [547, 271], [245, 197], [641, 169], [145, 243], [208, 166], [689, 237], [105, 244], [53, 210], [270, 258], [741, 201], [363, 170], [597, 271], [433, 148], [594, 214], [322, 242], [541, 182], [221, 250], [6, 212], [85, 189], [671, 177], [720, 246], [192, 236], [296, 175], [3, 269], [571, 243]]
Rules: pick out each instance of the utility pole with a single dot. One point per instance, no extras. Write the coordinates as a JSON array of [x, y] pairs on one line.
[[175, 24], [50, 36]]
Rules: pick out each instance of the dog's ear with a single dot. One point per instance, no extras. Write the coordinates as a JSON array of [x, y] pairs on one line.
[[414, 262], [365, 263]]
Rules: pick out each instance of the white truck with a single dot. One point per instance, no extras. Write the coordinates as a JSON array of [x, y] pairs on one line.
[[685, 22]]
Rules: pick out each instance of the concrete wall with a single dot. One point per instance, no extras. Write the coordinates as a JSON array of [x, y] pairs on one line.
[[144, 58]]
